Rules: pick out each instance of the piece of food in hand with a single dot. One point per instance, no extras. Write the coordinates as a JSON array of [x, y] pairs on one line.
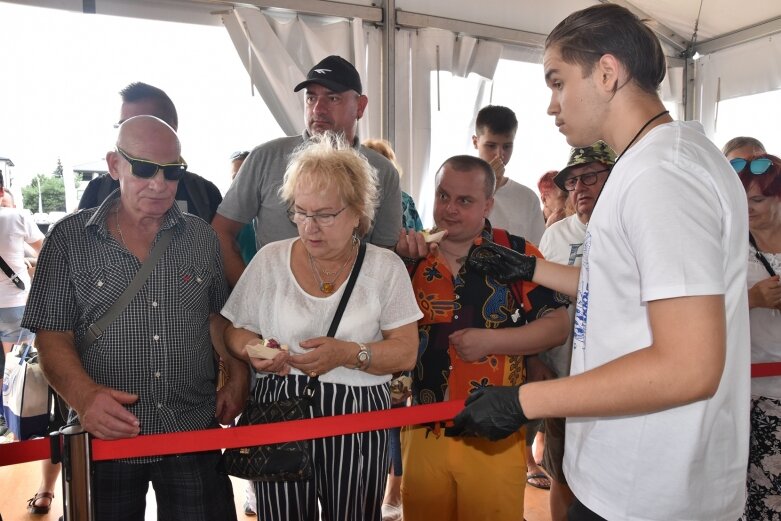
[[433, 235], [400, 388], [266, 348]]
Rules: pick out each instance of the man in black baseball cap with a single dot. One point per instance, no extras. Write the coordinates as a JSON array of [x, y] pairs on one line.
[[334, 73], [333, 102]]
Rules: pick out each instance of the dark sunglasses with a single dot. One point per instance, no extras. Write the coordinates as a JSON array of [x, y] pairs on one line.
[[148, 169], [757, 166]]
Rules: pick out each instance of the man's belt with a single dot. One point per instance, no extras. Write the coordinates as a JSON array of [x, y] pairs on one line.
[[11, 275]]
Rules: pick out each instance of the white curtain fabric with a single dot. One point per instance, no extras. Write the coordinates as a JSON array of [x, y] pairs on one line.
[[751, 68], [278, 50], [418, 53]]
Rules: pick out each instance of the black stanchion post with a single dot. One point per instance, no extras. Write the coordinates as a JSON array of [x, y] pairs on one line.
[[76, 474]]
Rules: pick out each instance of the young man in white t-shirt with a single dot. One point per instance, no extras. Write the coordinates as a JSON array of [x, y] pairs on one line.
[[583, 178], [516, 207], [657, 404]]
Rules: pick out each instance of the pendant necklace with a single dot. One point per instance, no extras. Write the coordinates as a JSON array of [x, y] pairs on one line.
[[631, 142], [325, 286], [645, 126]]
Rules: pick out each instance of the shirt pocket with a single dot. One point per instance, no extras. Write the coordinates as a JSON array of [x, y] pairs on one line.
[[194, 287], [97, 288]]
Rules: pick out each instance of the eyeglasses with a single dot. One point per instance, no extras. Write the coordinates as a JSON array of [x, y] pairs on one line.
[[757, 166], [321, 219], [148, 169], [588, 179]]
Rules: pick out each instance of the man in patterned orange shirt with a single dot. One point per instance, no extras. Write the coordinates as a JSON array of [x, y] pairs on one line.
[[474, 333]]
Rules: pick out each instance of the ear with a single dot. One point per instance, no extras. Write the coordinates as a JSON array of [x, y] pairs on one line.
[[363, 101], [112, 160], [474, 141], [489, 205], [609, 73]]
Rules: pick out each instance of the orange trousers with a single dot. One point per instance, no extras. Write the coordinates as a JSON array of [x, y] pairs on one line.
[[462, 479]]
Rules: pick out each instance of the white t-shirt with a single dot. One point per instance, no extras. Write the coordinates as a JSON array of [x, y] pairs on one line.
[[269, 301], [16, 228], [672, 221], [517, 210], [562, 243], [765, 328]]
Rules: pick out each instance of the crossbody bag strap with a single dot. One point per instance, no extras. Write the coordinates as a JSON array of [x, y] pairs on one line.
[[96, 329], [310, 386], [11, 275], [761, 258]]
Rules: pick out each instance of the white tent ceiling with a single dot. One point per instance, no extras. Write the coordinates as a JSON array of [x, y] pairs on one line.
[[717, 17]]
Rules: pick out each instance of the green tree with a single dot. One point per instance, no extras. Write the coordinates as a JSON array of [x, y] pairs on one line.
[[58, 171], [52, 191]]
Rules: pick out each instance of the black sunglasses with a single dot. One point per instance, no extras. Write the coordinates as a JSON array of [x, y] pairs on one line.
[[146, 169]]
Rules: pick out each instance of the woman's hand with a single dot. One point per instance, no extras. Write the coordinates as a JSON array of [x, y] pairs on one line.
[[765, 294], [324, 353], [279, 365]]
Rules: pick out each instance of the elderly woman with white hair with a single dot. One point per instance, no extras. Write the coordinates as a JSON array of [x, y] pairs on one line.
[[289, 293]]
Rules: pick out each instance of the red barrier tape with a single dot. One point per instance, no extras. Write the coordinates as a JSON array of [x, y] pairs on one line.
[[766, 369], [212, 439]]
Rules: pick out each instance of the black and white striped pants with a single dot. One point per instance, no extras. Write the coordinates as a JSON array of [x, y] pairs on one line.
[[350, 471]]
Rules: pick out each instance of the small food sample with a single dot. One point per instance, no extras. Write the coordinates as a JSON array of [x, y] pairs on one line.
[[266, 348], [433, 235]]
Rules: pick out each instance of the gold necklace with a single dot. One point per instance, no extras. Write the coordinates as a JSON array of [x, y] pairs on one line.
[[121, 237], [325, 286]]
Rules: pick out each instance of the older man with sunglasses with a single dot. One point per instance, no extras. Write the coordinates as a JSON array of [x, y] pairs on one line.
[[151, 369]]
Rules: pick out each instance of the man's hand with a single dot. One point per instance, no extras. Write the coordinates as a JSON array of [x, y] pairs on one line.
[[233, 395], [413, 245], [503, 264], [104, 416], [498, 165], [470, 343], [490, 412]]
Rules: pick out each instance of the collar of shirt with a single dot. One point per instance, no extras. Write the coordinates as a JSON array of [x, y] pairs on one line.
[[97, 223]]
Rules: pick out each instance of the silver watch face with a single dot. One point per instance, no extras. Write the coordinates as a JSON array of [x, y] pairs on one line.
[[363, 356]]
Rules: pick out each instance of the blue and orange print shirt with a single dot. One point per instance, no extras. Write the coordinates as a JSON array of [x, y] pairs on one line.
[[451, 302]]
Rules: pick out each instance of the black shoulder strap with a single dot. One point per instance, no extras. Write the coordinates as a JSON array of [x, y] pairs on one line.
[[761, 258], [13, 276]]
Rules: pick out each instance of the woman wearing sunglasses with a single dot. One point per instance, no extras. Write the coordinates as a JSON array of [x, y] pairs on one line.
[[761, 177]]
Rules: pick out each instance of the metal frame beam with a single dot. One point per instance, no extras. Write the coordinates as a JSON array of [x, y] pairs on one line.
[[312, 7], [737, 37], [487, 32]]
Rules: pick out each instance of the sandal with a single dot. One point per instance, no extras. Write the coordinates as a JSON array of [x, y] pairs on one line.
[[33, 508]]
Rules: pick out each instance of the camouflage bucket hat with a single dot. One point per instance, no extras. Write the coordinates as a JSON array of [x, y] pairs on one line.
[[598, 152]]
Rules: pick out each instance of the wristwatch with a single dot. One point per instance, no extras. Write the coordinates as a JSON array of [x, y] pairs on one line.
[[364, 357]]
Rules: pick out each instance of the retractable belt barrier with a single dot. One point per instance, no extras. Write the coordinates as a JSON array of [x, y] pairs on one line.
[[213, 439]]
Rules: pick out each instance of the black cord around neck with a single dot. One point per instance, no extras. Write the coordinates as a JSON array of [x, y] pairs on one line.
[[645, 126]]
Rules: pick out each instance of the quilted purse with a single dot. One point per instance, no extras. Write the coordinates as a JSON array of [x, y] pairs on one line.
[[289, 461]]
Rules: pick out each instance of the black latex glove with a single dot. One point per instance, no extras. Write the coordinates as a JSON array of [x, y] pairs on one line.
[[503, 264], [491, 412]]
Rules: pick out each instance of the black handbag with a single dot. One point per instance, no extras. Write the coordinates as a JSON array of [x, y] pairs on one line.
[[289, 461]]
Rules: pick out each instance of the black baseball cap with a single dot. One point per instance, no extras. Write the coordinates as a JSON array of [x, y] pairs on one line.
[[334, 73]]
